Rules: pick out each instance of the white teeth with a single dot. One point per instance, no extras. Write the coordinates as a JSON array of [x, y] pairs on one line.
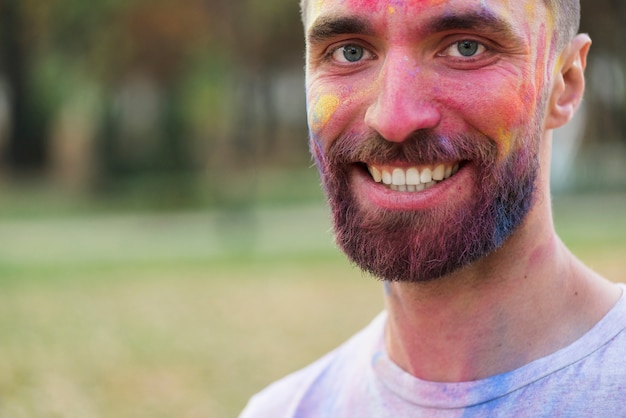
[[398, 178], [426, 176], [377, 175], [386, 177], [439, 172], [412, 179], [413, 176]]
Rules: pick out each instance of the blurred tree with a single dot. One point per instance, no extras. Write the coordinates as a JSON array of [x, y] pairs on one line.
[[268, 38], [606, 75], [26, 150], [144, 59], [264, 43]]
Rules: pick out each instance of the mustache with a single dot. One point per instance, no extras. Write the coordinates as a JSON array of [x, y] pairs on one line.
[[421, 148]]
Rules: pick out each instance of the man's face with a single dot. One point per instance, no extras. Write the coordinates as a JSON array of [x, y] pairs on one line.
[[425, 120]]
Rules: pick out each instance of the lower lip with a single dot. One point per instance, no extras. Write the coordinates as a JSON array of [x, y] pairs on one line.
[[379, 195]]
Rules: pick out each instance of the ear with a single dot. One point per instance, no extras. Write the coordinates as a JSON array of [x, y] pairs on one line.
[[568, 85]]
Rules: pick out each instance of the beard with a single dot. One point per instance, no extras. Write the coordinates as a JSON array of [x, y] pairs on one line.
[[419, 246]]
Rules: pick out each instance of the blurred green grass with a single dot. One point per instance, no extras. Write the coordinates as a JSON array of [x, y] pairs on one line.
[[187, 314]]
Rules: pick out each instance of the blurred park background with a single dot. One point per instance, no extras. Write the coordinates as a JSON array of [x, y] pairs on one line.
[[165, 246]]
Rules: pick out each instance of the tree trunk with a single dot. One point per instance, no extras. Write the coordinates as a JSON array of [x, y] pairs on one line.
[[26, 150]]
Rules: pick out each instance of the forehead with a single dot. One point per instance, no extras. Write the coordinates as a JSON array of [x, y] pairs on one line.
[[515, 12]]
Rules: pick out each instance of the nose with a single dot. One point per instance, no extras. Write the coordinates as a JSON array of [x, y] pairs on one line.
[[402, 105]]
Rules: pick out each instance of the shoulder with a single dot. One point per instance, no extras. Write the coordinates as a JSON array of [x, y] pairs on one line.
[[287, 396], [283, 396], [598, 356]]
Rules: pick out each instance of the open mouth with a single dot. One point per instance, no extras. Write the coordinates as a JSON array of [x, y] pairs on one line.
[[412, 179]]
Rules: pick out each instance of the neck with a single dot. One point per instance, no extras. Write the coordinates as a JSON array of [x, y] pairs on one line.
[[524, 301]]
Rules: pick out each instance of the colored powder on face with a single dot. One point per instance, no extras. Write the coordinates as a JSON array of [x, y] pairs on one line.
[[318, 6], [373, 6], [323, 110], [547, 45], [367, 6], [505, 138], [548, 61], [530, 7], [557, 65], [540, 64], [554, 57]]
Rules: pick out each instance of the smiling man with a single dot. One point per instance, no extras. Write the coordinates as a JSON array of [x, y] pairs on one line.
[[431, 124]]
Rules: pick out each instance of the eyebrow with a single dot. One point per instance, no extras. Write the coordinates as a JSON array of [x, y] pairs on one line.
[[484, 21], [325, 27], [328, 27]]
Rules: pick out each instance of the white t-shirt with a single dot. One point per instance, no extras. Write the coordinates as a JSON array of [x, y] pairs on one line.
[[357, 380]]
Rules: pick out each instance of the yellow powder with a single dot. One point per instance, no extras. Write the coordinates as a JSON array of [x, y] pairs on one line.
[[323, 110], [505, 138]]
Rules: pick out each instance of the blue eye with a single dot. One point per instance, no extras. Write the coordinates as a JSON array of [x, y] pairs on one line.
[[464, 49], [351, 53], [467, 48]]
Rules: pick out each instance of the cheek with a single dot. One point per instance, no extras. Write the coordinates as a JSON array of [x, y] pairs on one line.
[[333, 109], [511, 116], [321, 110], [503, 112], [323, 113]]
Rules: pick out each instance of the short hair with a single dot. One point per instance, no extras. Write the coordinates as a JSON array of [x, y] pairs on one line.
[[566, 18]]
